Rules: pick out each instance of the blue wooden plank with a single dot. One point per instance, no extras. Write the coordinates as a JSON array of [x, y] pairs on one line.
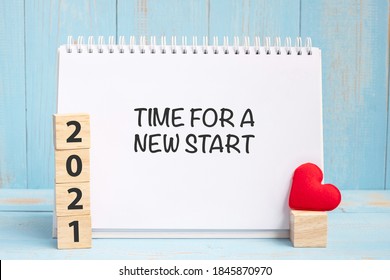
[[48, 23], [359, 229], [254, 18], [162, 18], [353, 37], [13, 171], [366, 201], [387, 182], [27, 235]]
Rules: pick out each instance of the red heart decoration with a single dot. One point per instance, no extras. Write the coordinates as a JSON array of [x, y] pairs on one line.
[[307, 192]]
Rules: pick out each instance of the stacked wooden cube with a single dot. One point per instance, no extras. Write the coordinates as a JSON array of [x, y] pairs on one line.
[[72, 176], [309, 229]]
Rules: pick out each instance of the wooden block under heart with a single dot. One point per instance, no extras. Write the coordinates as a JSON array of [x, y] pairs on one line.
[[71, 131], [74, 232], [309, 228], [72, 166], [72, 199]]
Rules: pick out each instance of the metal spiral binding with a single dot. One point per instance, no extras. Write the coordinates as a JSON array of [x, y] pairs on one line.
[[236, 45], [151, 46], [90, 44], [257, 45], [308, 45], [277, 45], [121, 44], [194, 44], [288, 45], [267, 45], [226, 45], [183, 44], [111, 44], [215, 45], [298, 46], [69, 44], [142, 43], [163, 44], [205, 44], [80, 44], [100, 44], [246, 45], [132, 43]]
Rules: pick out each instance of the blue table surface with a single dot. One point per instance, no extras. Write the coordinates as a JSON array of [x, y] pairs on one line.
[[358, 229]]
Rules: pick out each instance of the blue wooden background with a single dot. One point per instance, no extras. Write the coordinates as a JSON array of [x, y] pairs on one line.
[[353, 36]]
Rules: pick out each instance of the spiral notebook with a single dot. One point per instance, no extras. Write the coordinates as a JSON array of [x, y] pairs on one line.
[[194, 140]]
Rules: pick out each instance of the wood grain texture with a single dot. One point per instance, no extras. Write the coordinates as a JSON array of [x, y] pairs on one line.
[[19, 200], [48, 23], [162, 18], [67, 125], [13, 171], [353, 37], [76, 193], [74, 232], [308, 229], [72, 166], [254, 18], [364, 201]]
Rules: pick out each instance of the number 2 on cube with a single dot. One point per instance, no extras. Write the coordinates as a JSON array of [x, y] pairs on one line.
[[72, 138]]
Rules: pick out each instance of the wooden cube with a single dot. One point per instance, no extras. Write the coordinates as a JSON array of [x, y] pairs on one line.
[[74, 232], [72, 199], [309, 228], [71, 131], [72, 166]]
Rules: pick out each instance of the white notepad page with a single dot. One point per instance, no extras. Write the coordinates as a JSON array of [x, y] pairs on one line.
[[199, 194]]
